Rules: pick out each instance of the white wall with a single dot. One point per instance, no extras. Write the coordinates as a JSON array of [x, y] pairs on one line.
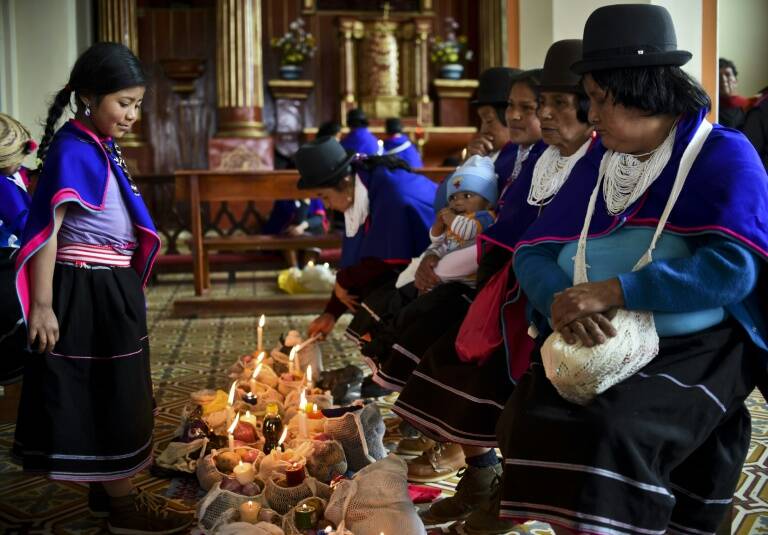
[[743, 38], [40, 41], [543, 22]]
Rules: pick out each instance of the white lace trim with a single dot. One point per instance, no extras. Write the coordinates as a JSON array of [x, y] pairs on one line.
[[627, 177], [550, 173], [355, 215]]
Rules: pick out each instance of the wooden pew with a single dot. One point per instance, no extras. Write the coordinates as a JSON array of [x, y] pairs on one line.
[[203, 186]]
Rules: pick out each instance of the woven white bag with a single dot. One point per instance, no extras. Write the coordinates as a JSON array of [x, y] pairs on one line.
[[580, 373]]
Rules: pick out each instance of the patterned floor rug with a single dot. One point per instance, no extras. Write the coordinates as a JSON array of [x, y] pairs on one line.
[[189, 354]]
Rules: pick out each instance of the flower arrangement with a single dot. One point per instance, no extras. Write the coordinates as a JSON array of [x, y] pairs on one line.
[[452, 49], [296, 45]]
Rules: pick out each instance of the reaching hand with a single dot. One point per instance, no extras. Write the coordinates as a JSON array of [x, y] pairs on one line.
[[322, 325], [43, 327]]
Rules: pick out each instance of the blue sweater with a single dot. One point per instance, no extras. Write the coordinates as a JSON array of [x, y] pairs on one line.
[[688, 286]]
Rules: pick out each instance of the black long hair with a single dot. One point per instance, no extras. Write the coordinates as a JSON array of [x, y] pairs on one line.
[[102, 69], [664, 90]]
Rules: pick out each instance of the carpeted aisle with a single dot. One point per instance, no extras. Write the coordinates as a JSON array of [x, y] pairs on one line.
[[190, 354]]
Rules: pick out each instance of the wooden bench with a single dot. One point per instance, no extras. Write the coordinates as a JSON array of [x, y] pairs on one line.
[[203, 186]]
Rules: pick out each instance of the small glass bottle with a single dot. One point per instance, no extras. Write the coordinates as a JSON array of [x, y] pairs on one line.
[[272, 428]]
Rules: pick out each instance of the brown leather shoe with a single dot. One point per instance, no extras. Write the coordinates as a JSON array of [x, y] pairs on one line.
[[436, 464], [415, 446]]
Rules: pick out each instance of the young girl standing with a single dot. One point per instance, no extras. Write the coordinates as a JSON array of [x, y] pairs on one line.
[[87, 249]]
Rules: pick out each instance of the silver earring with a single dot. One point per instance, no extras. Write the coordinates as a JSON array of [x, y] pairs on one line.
[[87, 110]]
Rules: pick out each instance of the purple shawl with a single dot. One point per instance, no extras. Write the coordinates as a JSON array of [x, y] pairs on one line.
[[75, 170], [515, 214], [726, 194]]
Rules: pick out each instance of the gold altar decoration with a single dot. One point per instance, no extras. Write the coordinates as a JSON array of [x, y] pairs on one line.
[[384, 67]]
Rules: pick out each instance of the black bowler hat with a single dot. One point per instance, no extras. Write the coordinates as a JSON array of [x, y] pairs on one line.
[[629, 35], [557, 74], [322, 163], [356, 117], [393, 126], [494, 85]]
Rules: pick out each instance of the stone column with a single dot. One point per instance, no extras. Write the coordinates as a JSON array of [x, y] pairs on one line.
[[117, 24], [241, 141]]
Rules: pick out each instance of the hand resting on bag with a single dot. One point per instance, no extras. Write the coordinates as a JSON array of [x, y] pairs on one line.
[[585, 299], [591, 331]]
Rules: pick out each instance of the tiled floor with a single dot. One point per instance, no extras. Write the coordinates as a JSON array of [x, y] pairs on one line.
[[189, 354]]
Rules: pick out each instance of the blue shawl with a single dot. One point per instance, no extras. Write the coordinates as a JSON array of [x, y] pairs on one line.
[[75, 170]]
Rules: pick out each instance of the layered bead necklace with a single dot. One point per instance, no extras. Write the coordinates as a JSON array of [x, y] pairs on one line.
[[550, 173], [626, 177]]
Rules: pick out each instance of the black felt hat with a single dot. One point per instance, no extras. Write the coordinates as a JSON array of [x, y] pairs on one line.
[[557, 74], [322, 163], [629, 35], [494, 85], [356, 117], [393, 125]]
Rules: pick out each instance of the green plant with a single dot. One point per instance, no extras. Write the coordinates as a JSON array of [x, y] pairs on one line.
[[296, 45], [451, 48]]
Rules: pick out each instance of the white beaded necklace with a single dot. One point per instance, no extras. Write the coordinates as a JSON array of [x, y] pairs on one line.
[[550, 173], [627, 178]]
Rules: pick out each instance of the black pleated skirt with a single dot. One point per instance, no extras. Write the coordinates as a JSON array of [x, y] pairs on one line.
[[456, 401], [13, 334], [86, 410], [661, 451], [418, 324]]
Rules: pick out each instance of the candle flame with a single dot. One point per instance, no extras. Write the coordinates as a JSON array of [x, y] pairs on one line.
[[310, 263], [303, 402], [256, 372], [283, 437], [262, 321], [234, 424], [232, 392], [250, 503], [239, 463], [328, 529], [314, 407], [309, 374], [247, 414]]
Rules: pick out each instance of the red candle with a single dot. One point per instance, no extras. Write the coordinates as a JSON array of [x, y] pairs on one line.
[[295, 475]]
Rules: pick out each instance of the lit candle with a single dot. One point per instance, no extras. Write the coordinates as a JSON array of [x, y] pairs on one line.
[[309, 377], [294, 474], [230, 431], [244, 473], [230, 402], [315, 414], [249, 512], [260, 334], [282, 439], [250, 419], [292, 364], [310, 264], [303, 416], [254, 377]]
